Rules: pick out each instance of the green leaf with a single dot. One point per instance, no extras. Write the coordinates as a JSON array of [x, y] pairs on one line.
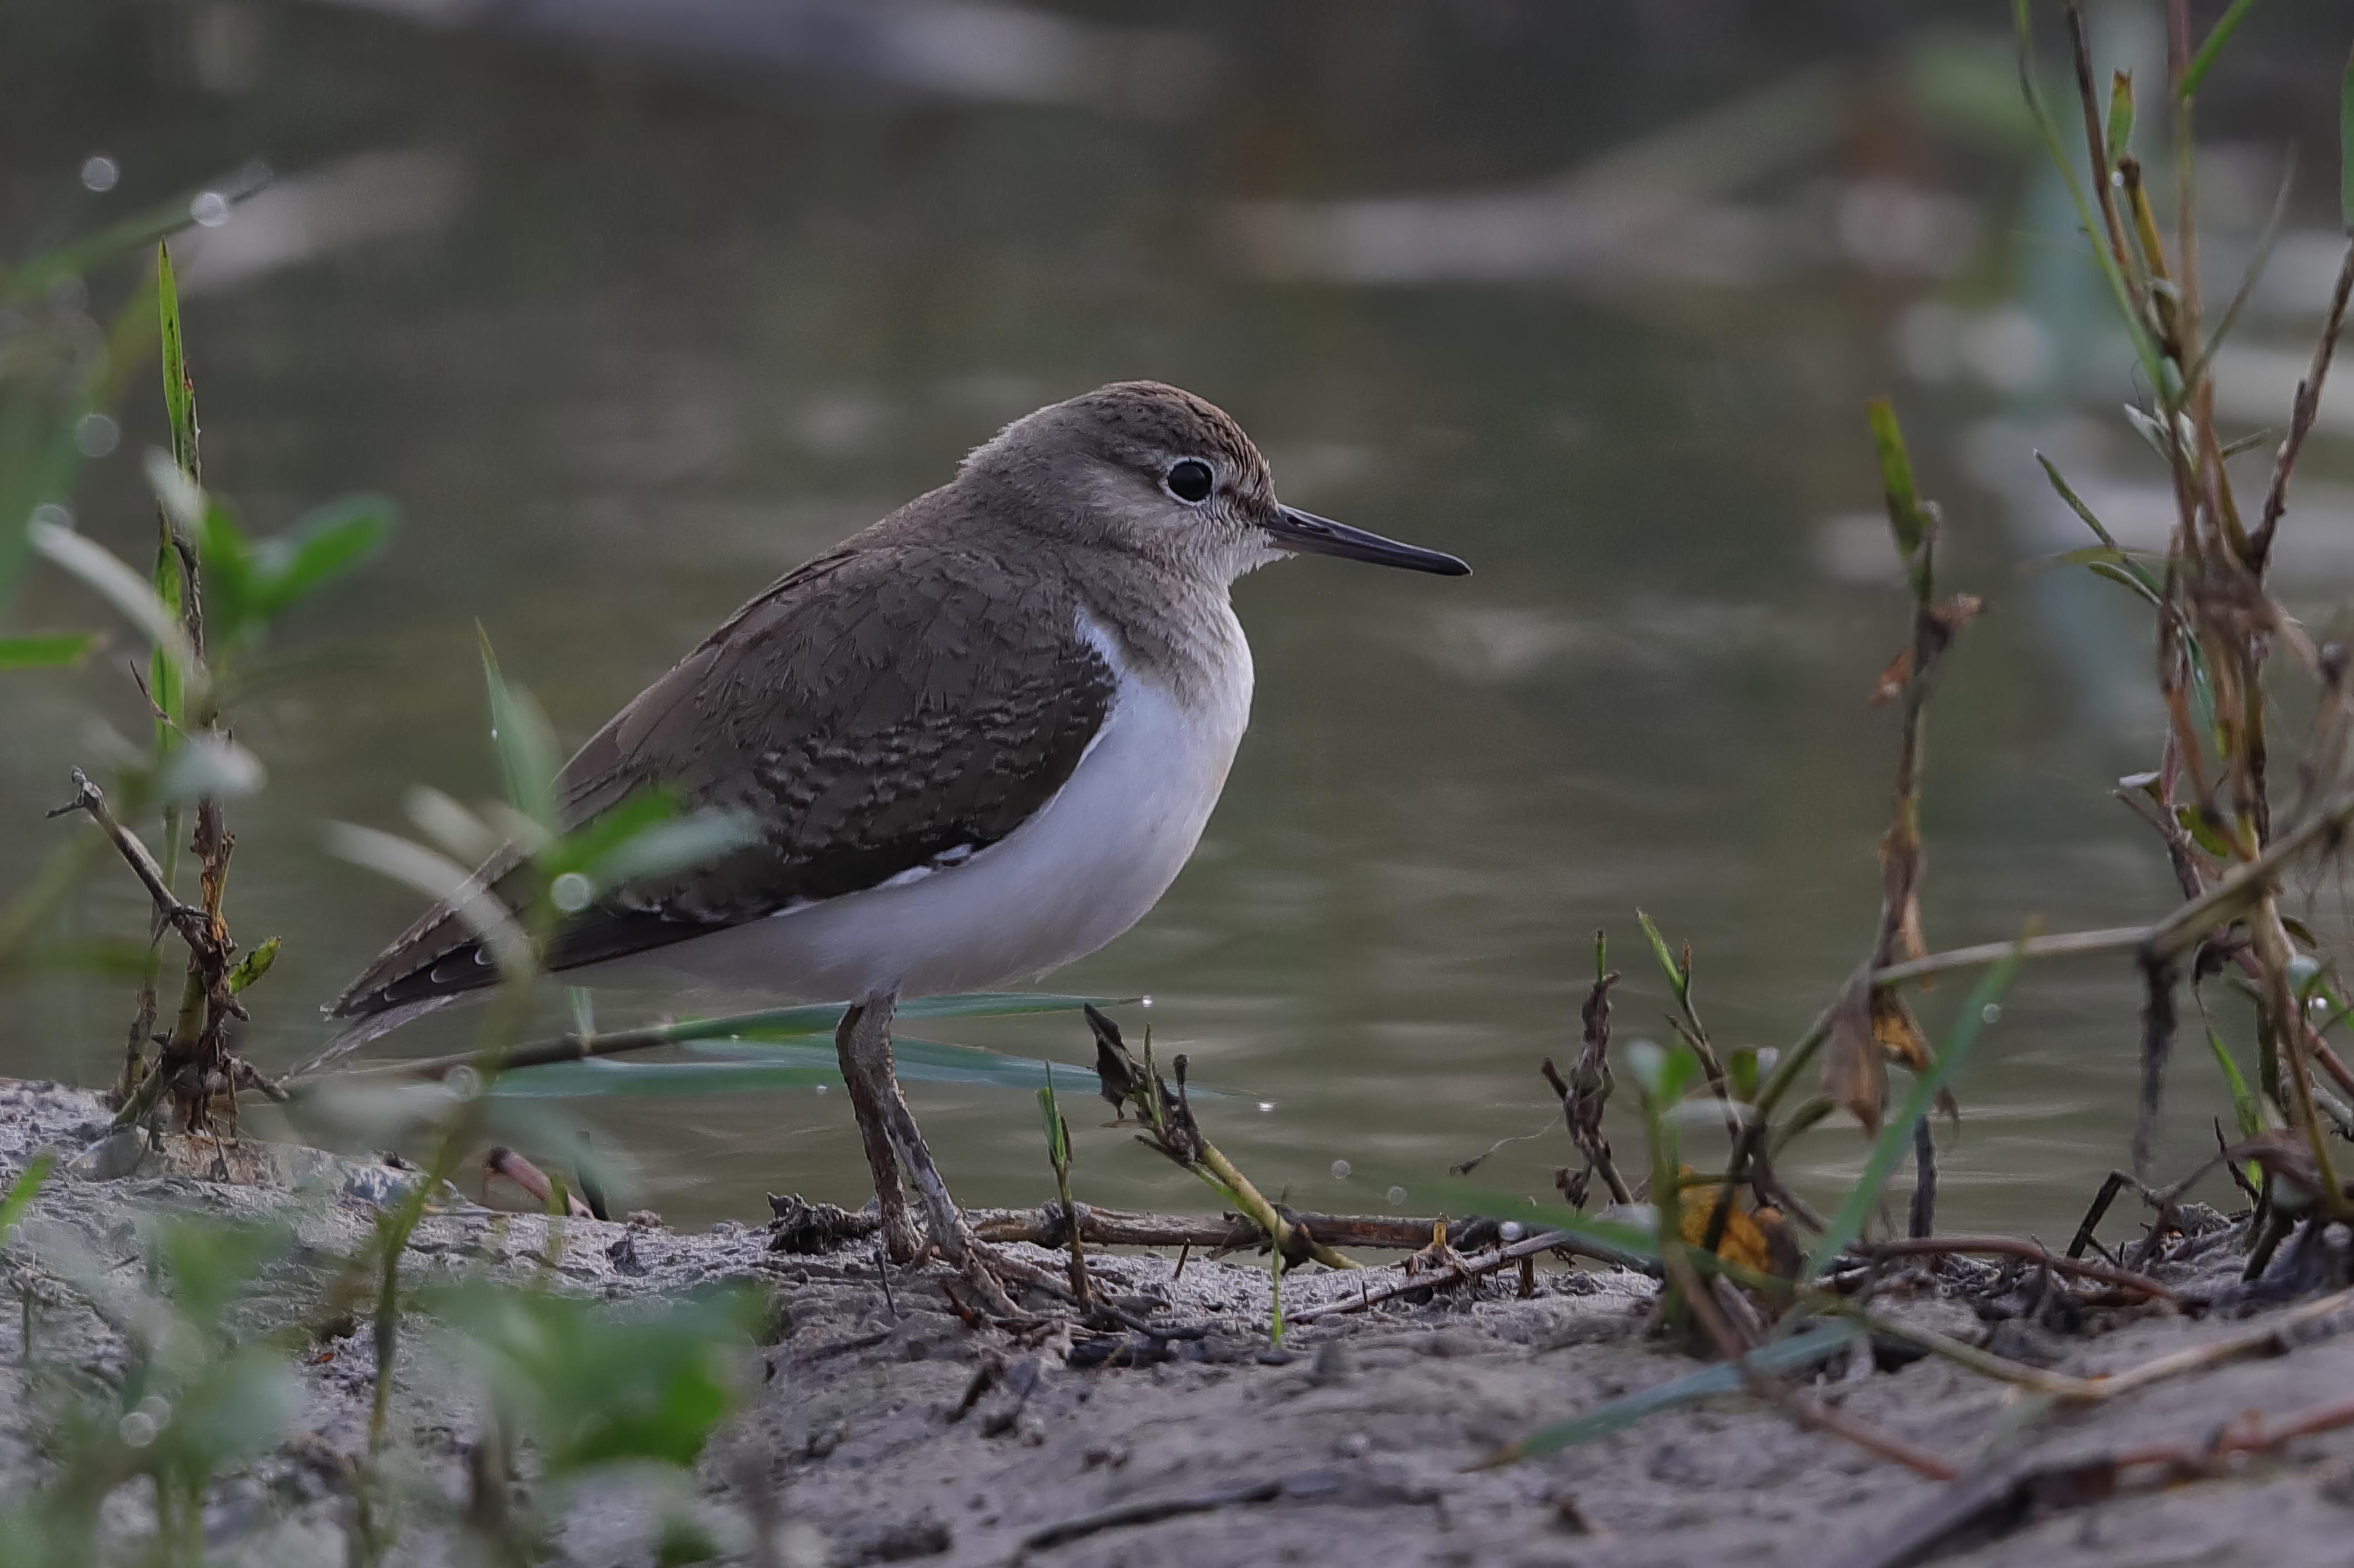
[[2202, 833], [588, 1386], [748, 1067], [1058, 1136], [1741, 1073], [925, 1061], [1896, 1137], [598, 1077], [820, 1019], [2121, 115], [48, 652], [638, 811], [253, 966], [21, 1193], [1817, 1344], [2246, 1108], [1908, 520], [2200, 63], [527, 745], [323, 544], [232, 598], [1667, 965], [668, 849], [179, 390]]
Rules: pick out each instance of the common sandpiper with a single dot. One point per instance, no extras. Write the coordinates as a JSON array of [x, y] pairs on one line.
[[979, 739]]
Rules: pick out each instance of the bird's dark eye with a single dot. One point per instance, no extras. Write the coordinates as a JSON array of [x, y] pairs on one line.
[[1189, 480]]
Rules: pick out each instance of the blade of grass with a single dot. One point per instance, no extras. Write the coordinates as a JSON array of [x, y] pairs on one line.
[[47, 652], [2225, 26], [22, 1192]]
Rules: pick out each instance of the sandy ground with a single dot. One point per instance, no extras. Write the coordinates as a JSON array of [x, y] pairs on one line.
[[1350, 1446]]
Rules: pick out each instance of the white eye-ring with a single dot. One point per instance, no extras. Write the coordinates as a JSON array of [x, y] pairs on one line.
[[1190, 481]]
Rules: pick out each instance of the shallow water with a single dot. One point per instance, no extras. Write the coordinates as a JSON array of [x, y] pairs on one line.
[[625, 345]]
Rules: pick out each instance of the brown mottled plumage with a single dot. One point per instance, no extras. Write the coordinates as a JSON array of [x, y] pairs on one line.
[[979, 739]]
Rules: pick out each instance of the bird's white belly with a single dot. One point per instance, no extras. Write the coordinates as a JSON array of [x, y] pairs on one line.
[[1084, 869]]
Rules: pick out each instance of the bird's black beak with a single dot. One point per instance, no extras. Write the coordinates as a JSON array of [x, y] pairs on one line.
[[1304, 532]]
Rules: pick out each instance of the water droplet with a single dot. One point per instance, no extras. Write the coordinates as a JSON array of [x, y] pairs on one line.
[[1991, 1013], [1340, 1171], [1264, 1106], [210, 209], [99, 173], [822, 1088], [97, 434], [57, 514], [571, 891], [1396, 1194], [1511, 1231], [463, 1080]]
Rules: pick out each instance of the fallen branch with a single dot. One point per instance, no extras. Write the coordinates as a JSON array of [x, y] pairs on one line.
[[2007, 1246], [1472, 1268]]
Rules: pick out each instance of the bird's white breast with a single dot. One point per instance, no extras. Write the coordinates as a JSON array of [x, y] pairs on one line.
[[1083, 869]]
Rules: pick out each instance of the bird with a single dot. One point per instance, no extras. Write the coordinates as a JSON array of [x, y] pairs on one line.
[[975, 741]]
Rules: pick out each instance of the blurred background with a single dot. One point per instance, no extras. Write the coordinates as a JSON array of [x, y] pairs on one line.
[[632, 304]]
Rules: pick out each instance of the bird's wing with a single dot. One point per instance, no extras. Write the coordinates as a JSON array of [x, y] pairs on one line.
[[879, 712]]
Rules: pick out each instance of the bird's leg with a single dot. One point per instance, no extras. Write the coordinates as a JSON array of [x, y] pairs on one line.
[[865, 1049], [958, 1247]]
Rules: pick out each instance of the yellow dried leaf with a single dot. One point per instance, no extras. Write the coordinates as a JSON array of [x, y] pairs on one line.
[[1760, 1241], [1897, 1035]]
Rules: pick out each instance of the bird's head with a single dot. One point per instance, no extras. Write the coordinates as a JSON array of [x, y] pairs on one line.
[[1150, 468]]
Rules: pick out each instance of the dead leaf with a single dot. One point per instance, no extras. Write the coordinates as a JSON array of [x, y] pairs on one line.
[[1854, 1074], [1893, 680], [1893, 1029]]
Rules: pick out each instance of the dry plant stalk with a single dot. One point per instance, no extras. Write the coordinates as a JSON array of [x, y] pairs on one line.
[[1170, 1128], [2217, 621]]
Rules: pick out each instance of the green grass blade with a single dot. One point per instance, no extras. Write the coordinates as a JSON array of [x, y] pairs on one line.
[[527, 745], [1667, 965], [323, 545], [1896, 1137], [2200, 63], [819, 1019], [1805, 1350], [594, 1079], [20, 1195], [2245, 1107], [924, 1061], [47, 652]]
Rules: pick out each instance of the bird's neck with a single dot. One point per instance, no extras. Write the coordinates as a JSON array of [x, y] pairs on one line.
[[1179, 634]]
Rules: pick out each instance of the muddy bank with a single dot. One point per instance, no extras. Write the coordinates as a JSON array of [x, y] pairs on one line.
[[865, 1441]]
